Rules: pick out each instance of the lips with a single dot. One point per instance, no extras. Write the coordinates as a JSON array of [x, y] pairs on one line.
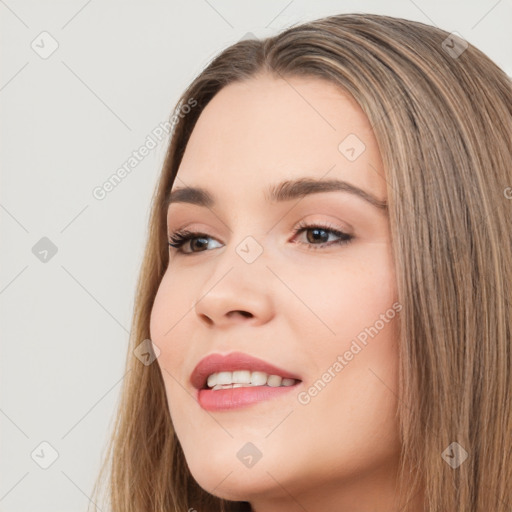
[[215, 363]]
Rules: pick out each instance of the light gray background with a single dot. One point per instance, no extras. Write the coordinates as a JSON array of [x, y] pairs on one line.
[[68, 122]]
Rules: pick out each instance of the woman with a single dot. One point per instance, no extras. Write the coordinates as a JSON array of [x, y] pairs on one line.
[[344, 342]]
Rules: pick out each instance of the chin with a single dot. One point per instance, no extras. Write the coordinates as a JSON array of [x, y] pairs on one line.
[[222, 474], [241, 485]]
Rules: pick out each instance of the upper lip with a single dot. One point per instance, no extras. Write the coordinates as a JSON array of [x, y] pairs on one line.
[[215, 363]]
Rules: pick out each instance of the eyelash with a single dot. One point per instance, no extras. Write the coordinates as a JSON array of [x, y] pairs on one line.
[[181, 237]]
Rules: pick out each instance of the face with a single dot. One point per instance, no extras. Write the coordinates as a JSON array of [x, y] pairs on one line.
[[317, 302]]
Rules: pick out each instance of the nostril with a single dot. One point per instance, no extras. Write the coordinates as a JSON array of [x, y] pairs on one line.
[[245, 314], [207, 319]]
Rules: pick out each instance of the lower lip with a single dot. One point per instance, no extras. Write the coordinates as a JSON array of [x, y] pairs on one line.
[[234, 398]]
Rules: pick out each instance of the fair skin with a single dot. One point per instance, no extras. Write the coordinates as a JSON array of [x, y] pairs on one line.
[[294, 307]]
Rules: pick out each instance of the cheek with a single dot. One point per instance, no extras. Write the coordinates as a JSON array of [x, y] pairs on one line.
[[346, 294], [168, 320], [173, 304], [350, 400], [354, 395], [355, 335], [168, 330]]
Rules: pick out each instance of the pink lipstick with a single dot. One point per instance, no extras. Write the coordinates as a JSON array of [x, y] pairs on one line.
[[238, 380]]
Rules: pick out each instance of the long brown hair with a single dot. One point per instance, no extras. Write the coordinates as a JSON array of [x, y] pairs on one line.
[[441, 112]]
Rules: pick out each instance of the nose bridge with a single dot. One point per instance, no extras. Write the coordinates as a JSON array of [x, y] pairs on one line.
[[239, 283], [242, 266]]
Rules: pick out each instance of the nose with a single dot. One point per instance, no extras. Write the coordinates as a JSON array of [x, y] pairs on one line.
[[236, 293]]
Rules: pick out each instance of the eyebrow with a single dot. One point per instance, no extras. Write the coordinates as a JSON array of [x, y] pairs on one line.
[[285, 191]]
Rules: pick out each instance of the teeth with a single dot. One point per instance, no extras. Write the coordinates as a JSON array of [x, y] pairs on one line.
[[258, 378], [212, 380], [274, 381], [242, 376], [224, 378], [245, 378]]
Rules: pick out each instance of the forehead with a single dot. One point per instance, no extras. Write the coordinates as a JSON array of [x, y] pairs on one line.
[[265, 130]]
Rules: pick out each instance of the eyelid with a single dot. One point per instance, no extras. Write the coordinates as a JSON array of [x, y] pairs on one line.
[[196, 227], [331, 221], [307, 220]]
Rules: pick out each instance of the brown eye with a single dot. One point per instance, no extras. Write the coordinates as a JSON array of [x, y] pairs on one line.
[[197, 241], [318, 236]]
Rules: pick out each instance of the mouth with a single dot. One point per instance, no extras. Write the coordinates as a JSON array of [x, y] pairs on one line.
[[237, 379], [239, 370]]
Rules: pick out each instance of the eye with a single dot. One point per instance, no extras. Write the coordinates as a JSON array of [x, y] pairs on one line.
[[179, 238], [319, 233]]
